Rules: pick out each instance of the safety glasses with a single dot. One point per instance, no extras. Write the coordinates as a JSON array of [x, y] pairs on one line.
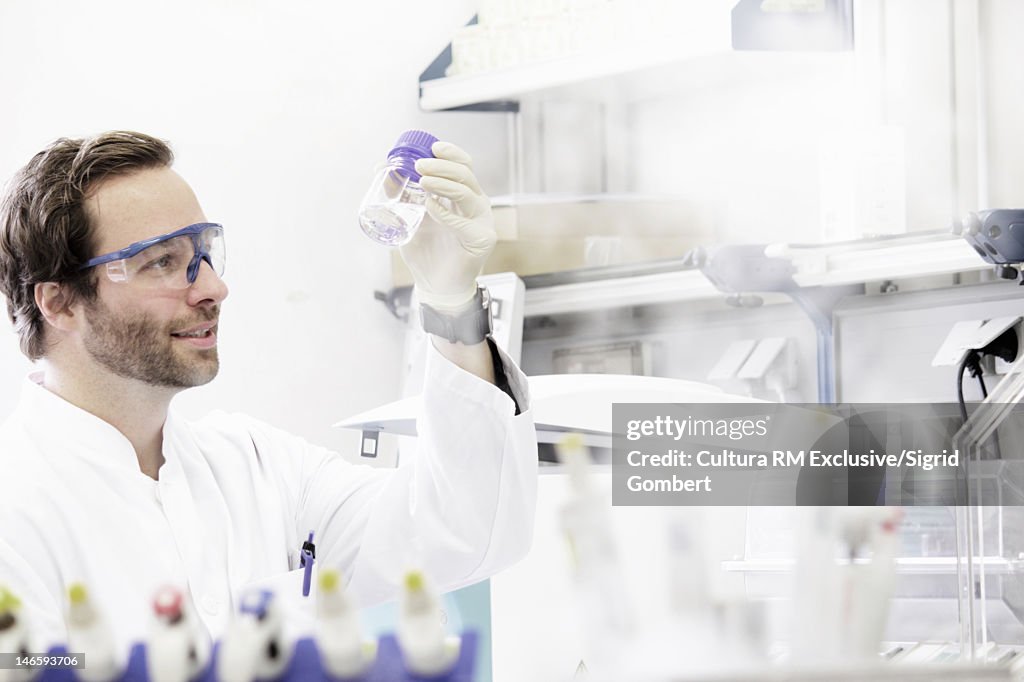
[[169, 261]]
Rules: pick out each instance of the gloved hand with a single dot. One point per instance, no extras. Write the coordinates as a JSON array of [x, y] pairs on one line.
[[448, 251]]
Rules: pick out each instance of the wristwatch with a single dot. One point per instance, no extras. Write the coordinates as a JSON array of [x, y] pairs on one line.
[[468, 327]]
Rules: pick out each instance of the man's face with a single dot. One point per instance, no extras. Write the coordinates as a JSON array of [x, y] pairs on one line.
[[134, 332]]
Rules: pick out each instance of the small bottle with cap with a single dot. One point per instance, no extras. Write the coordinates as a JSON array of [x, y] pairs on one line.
[[254, 647], [177, 651], [339, 637], [426, 649], [395, 203], [606, 612], [89, 632], [14, 636]]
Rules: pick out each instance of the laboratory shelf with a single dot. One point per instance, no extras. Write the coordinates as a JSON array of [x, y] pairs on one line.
[[917, 660], [906, 565], [622, 70], [548, 198], [880, 260], [871, 260], [678, 279], [513, 82], [638, 289]]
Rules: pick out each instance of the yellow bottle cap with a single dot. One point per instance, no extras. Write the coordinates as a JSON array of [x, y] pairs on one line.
[[8, 602], [78, 594], [571, 441], [329, 579], [414, 581]]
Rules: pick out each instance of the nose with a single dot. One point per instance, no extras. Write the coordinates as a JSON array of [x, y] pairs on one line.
[[208, 289]]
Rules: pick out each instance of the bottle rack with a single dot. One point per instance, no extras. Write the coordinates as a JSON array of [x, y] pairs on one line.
[[305, 665]]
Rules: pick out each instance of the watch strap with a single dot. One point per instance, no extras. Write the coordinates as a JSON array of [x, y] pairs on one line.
[[468, 327]]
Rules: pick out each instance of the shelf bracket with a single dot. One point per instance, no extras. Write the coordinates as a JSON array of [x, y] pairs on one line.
[[744, 269]]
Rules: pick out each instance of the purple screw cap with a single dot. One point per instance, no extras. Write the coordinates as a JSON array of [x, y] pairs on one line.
[[413, 145]]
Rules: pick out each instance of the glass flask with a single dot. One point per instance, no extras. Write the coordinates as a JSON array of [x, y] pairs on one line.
[[395, 204]]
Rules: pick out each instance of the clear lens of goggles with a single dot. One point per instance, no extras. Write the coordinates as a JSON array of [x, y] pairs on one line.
[[174, 263]]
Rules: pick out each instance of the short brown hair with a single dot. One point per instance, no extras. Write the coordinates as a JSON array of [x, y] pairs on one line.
[[45, 234]]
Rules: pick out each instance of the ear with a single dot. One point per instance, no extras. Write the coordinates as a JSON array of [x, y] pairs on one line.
[[53, 302]]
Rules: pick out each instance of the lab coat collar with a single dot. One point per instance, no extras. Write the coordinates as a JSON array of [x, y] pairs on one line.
[[77, 433]]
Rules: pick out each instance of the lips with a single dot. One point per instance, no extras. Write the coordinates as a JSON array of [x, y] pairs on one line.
[[198, 332], [202, 336]]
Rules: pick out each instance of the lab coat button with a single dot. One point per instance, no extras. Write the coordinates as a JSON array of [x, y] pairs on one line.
[[211, 604]]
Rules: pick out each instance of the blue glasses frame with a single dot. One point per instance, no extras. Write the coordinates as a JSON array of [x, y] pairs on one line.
[[193, 230]]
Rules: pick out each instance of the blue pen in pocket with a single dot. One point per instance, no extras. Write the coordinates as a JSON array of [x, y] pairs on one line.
[[306, 558]]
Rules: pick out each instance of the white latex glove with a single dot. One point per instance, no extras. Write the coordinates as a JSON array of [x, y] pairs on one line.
[[448, 251]]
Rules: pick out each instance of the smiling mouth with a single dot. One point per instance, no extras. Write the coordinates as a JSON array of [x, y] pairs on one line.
[[196, 333]]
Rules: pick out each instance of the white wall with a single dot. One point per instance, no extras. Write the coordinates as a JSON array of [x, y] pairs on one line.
[[278, 113], [1002, 53]]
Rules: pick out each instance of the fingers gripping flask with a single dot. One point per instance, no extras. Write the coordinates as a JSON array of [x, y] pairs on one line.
[[395, 204]]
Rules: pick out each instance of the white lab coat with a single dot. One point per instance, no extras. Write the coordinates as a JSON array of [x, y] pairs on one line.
[[236, 498]]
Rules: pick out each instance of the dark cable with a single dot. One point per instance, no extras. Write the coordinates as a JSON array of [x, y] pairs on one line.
[[960, 389], [972, 361]]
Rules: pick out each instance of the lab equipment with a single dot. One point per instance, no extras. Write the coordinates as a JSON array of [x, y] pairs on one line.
[[841, 602], [88, 631], [426, 649], [997, 235], [989, 540], [177, 650], [604, 605], [742, 269], [395, 203], [306, 665], [254, 647], [871, 583], [13, 636], [687, 545], [445, 267], [168, 261], [767, 365], [825, 25], [997, 336], [343, 650]]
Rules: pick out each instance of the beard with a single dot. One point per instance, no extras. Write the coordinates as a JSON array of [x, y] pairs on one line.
[[135, 346]]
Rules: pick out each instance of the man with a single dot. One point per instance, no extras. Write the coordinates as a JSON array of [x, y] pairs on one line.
[[111, 273]]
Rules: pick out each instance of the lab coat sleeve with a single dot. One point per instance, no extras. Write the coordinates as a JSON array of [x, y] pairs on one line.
[[460, 509], [43, 616]]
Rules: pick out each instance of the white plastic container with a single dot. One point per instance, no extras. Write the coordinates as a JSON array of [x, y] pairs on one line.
[[345, 654], [14, 637], [90, 633], [254, 647], [177, 649], [426, 650]]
